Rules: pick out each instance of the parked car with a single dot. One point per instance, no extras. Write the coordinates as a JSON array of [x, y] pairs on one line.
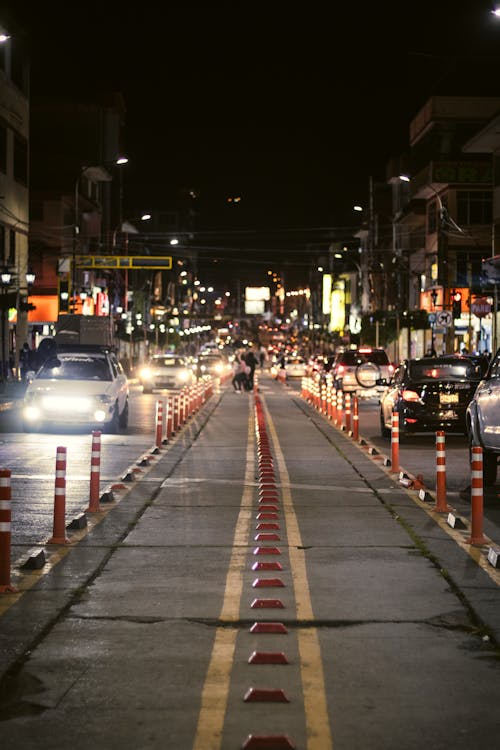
[[77, 386], [429, 394], [166, 371], [361, 371], [483, 419]]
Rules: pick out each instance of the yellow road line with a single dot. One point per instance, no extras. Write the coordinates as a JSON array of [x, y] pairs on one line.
[[216, 686], [313, 684]]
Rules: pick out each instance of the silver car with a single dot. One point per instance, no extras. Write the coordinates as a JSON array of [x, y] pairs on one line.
[[361, 371], [483, 419], [166, 371]]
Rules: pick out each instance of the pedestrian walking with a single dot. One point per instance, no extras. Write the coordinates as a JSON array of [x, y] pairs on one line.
[[251, 363], [25, 357], [239, 380]]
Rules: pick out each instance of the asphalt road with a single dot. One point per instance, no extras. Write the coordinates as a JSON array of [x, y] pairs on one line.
[[142, 634]]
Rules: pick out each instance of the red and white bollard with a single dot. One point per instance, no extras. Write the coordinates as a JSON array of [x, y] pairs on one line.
[[176, 408], [476, 490], [395, 442], [340, 409], [441, 504], [5, 533], [170, 414], [347, 412], [95, 473], [59, 528], [159, 423], [355, 418]]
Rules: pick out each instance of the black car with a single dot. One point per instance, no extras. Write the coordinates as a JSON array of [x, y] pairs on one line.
[[431, 393]]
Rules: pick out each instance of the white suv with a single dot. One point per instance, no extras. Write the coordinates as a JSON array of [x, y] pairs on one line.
[[361, 371], [77, 386]]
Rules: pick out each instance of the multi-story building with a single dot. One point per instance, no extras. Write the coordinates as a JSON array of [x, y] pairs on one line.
[[14, 194], [445, 226]]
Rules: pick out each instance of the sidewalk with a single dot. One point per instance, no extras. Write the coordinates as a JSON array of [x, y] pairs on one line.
[[142, 635]]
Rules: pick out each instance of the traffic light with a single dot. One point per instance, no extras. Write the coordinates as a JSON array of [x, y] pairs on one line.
[[457, 304]]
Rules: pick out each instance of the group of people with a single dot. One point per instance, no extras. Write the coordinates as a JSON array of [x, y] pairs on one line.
[[244, 371]]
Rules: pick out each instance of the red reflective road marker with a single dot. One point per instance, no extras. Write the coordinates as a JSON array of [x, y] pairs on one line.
[[267, 566], [267, 537], [267, 526], [268, 742], [269, 695], [267, 604], [267, 582], [268, 657], [269, 627], [267, 550]]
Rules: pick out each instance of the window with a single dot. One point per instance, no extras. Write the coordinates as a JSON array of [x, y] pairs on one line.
[[20, 160], [474, 207]]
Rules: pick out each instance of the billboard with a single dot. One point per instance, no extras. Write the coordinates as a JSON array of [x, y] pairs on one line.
[[256, 293]]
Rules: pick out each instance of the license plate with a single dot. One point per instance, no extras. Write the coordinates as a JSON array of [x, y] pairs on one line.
[[448, 398], [449, 415]]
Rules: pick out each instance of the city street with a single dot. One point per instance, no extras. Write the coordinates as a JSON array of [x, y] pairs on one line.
[[267, 583]]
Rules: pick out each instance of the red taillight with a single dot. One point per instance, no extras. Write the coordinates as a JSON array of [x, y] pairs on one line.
[[340, 369], [410, 396], [391, 368]]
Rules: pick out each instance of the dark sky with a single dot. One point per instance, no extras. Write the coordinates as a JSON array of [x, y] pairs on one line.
[[293, 108]]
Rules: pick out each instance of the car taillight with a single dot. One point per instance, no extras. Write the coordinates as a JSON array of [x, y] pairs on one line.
[[391, 369], [412, 396], [340, 370]]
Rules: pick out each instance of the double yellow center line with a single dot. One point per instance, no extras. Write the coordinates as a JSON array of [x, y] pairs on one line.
[[216, 687]]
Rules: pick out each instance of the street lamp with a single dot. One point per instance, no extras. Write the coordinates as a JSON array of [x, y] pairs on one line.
[[5, 279]]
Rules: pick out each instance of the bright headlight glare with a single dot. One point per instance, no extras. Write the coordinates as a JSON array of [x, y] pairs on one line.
[[78, 404], [183, 375], [99, 415], [31, 413], [146, 373]]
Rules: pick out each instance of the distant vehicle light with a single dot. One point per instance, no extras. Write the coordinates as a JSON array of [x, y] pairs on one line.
[[146, 373], [411, 396]]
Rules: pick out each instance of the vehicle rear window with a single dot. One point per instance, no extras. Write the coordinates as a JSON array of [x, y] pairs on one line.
[[169, 362], [445, 371], [353, 359]]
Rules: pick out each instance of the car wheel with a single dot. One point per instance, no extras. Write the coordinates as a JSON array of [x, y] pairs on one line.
[[490, 466], [123, 421], [384, 431]]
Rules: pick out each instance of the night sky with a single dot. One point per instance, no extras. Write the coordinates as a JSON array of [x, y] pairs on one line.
[[291, 108]]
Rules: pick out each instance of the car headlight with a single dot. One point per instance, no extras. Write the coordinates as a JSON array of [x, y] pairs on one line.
[[146, 373], [219, 368], [184, 375]]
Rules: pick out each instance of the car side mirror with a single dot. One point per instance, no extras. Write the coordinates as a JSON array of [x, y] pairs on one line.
[[30, 376]]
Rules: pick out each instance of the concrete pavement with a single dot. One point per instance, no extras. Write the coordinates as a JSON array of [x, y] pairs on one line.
[[142, 633]]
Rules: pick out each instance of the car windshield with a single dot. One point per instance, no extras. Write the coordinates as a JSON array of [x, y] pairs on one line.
[[353, 359], [76, 367], [467, 370]]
